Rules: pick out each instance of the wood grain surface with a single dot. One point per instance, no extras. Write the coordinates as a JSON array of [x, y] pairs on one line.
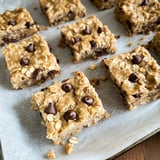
[[147, 150]]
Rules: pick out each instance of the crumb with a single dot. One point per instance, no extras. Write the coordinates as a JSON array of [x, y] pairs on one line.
[[51, 154], [117, 36], [141, 39], [73, 140], [130, 44], [92, 67], [69, 148], [104, 78], [95, 82], [62, 44]]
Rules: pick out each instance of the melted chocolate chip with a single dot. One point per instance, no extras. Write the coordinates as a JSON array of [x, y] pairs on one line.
[[136, 59], [29, 24], [88, 100], [75, 40], [93, 44], [86, 31], [35, 73], [71, 15], [50, 109], [145, 3], [30, 47], [12, 23], [70, 115], [52, 73], [67, 87], [137, 95], [133, 77], [8, 40], [99, 30], [24, 61]]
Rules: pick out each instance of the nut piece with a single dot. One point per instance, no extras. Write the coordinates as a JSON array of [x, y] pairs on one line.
[[69, 148], [51, 154], [73, 140]]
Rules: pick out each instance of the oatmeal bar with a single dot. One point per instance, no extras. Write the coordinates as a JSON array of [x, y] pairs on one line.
[[104, 4], [59, 11], [137, 76], [15, 25], [68, 106], [154, 44], [138, 16], [30, 62], [88, 38]]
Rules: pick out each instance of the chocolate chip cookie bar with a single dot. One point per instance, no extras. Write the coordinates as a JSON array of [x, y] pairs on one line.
[[88, 38], [154, 44], [15, 25], [104, 4], [60, 11], [137, 76], [30, 62], [138, 16], [68, 106]]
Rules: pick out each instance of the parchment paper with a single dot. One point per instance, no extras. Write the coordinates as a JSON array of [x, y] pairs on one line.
[[23, 137]]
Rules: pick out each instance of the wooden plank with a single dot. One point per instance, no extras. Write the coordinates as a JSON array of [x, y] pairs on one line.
[[148, 150]]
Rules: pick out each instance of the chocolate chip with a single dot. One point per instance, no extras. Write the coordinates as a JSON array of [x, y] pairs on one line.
[[49, 46], [43, 89], [46, 8], [86, 31], [93, 44], [100, 51], [12, 23], [137, 95], [71, 15], [145, 3], [35, 73], [52, 73], [67, 87], [133, 77], [99, 30], [75, 40], [158, 87], [50, 109], [24, 61], [129, 24], [30, 47], [88, 100], [57, 60], [29, 24], [136, 59], [70, 115]]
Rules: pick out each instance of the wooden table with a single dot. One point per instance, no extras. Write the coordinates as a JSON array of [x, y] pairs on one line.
[[147, 150]]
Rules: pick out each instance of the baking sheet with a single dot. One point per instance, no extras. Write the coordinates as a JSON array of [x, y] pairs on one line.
[[21, 134]]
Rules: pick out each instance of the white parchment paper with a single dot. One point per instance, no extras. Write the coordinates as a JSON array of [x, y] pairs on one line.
[[21, 134]]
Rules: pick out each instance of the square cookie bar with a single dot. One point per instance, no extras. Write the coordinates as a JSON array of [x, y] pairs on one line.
[[154, 44], [88, 38], [137, 76], [68, 106], [60, 11], [15, 25], [138, 16], [30, 62], [104, 4]]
